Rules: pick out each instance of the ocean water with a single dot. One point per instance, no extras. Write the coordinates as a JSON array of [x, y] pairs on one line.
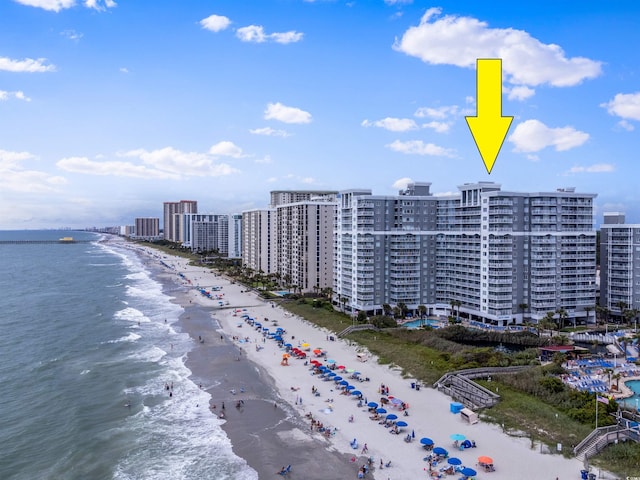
[[88, 343]]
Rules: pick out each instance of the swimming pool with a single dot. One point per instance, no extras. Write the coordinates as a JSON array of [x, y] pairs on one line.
[[430, 322]]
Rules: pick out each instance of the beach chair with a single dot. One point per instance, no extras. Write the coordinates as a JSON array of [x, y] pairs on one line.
[[285, 471]]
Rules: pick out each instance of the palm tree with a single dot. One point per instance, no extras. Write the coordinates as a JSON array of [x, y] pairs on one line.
[[403, 309], [455, 303], [549, 321], [562, 316], [622, 306], [386, 308], [343, 301], [588, 310], [422, 310]]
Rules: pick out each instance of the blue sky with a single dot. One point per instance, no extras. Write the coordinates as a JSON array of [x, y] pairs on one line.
[[108, 108]]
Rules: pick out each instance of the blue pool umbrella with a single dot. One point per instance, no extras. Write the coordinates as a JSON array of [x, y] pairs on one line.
[[393, 416], [288, 345], [468, 472], [426, 441], [440, 451], [454, 461], [402, 424], [381, 410], [457, 437], [372, 405]]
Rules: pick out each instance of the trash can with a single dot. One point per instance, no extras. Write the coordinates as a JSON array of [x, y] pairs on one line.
[[584, 474], [413, 384], [592, 476], [417, 386]]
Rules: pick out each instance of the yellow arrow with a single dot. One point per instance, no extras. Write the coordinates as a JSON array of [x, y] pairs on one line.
[[489, 128]]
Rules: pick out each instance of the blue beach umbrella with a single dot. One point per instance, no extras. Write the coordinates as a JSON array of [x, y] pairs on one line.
[[350, 387], [440, 451], [468, 472], [331, 361], [337, 378], [372, 405], [356, 392], [393, 416], [381, 410], [454, 461], [402, 424], [457, 437], [345, 383], [332, 374], [426, 441]]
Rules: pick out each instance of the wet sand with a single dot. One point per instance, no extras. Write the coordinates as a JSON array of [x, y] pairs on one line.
[[267, 437]]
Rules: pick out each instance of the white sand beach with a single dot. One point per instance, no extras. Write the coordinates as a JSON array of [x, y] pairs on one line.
[[428, 409]]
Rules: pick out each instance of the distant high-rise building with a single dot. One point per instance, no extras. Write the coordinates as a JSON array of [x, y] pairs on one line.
[[206, 232], [147, 228], [293, 238], [619, 264], [173, 228], [235, 236], [495, 256], [258, 240]]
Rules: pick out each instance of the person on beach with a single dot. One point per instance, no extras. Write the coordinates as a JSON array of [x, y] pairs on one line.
[[365, 449]]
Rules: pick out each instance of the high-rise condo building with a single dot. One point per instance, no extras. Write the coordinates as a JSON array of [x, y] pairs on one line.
[[496, 256], [147, 228], [173, 227], [619, 264], [293, 238]]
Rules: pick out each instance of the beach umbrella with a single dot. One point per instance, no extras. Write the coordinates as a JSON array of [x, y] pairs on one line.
[[350, 387], [341, 367], [393, 416], [468, 472], [289, 345], [337, 378], [440, 451], [332, 374], [426, 441], [331, 361], [454, 461], [372, 405], [457, 437], [485, 459], [350, 370], [402, 424], [356, 392], [344, 382], [381, 410]]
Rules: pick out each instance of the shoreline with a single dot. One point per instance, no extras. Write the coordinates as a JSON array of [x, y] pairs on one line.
[[287, 439]]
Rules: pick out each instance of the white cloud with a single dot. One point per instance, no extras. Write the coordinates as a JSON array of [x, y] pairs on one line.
[[624, 105], [308, 180], [264, 160], [626, 125], [392, 124], [398, 2], [72, 35], [57, 5], [520, 93], [460, 41], [226, 149], [597, 168], [440, 127], [51, 5], [165, 163], [278, 111], [124, 70], [439, 112], [533, 136], [15, 178], [4, 95], [215, 23], [99, 6], [27, 65], [402, 183], [418, 147], [256, 34], [271, 132]]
